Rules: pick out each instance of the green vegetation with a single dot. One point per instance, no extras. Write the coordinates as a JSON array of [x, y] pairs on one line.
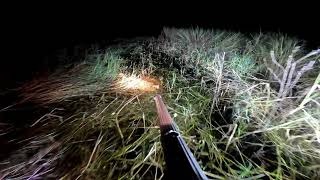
[[248, 108]]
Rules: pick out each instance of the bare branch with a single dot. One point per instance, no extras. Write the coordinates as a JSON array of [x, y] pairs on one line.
[[285, 80], [289, 79], [315, 52], [273, 58], [304, 69]]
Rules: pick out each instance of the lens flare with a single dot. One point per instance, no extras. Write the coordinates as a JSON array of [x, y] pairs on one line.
[[135, 83]]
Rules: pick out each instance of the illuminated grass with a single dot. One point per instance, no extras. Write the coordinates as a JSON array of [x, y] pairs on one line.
[[238, 111]]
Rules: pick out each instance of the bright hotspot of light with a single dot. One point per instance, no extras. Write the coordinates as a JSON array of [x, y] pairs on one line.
[[136, 83]]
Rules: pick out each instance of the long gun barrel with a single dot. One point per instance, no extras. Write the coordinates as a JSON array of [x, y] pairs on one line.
[[180, 161]]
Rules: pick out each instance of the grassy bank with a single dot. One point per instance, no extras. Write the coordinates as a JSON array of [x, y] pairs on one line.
[[248, 108]]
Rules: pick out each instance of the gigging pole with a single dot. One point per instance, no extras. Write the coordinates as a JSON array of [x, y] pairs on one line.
[[180, 162]]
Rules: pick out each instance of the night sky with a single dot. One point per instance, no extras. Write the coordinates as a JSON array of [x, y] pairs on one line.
[[32, 35]]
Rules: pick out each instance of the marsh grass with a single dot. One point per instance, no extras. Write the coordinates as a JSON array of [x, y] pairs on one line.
[[224, 90]]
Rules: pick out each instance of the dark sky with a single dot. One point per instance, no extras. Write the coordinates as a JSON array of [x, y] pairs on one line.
[[37, 32]]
